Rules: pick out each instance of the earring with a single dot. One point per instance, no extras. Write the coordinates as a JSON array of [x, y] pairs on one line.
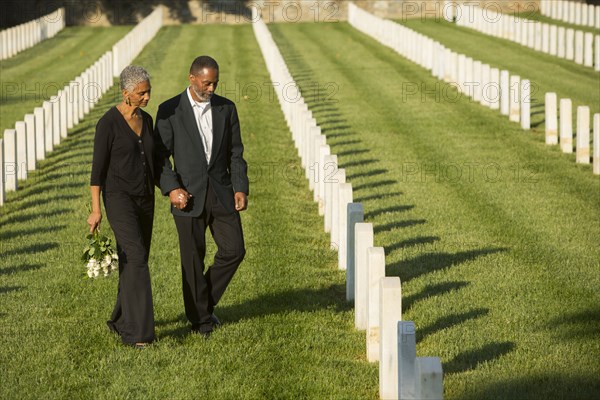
[[127, 101]]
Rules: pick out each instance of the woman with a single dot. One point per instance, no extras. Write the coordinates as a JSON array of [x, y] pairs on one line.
[[123, 170]]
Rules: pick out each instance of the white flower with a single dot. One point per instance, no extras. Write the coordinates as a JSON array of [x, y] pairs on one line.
[[115, 256], [92, 263], [96, 273], [90, 273], [107, 259], [114, 266]]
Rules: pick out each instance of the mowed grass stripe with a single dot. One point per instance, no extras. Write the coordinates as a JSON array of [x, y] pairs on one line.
[[287, 332], [547, 73], [493, 267], [36, 74]]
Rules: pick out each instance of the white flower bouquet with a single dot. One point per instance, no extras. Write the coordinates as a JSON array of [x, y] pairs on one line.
[[99, 255]]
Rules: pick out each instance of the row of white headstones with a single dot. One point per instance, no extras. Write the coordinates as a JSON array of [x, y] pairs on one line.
[[377, 298], [39, 132], [567, 43], [572, 12], [482, 83], [21, 37]]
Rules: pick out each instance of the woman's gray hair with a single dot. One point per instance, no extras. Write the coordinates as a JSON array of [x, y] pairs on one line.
[[131, 76]]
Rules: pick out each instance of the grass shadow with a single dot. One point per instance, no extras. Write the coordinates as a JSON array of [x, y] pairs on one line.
[[397, 225], [431, 291], [449, 321], [387, 210], [410, 243], [22, 268], [430, 262], [470, 359]]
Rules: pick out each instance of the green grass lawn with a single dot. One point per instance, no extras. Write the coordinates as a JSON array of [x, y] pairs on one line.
[[493, 234], [546, 73], [36, 74], [287, 330]]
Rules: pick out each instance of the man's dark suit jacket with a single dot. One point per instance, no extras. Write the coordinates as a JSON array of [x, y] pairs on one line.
[[177, 135]]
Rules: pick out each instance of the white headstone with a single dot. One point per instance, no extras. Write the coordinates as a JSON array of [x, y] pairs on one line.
[[330, 177], [597, 52], [376, 271], [314, 135], [493, 90], [579, 47], [55, 120], [561, 50], [363, 239], [468, 83], [48, 126], [570, 54], [10, 160], [525, 104], [553, 40], [356, 215], [530, 34], [429, 378], [588, 50], [477, 81], [335, 208], [345, 198], [504, 92], [485, 82], [2, 183], [583, 135], [515, 99], [591, 15], [21, 132], [390, 311], [538, 36], [323, 152], [596, 162], [40, 137], [80, 101], [407, 357], [30, 129], [546, 38], [62, 106], [551, 118], [68, 92], [314, 168], [566, 126]]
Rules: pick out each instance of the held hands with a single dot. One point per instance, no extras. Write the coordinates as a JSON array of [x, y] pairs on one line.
[[241, 201], [179, 198], [94, 221]]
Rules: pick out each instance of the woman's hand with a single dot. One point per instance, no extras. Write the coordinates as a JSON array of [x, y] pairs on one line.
[[94, 221]]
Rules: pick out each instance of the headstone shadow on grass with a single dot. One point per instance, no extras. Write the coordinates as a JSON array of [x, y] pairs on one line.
[[470, 359], [397, 225], [434, 261], [20, 268], [578, 325], [450, 321], [431, 291], [403, 244], [16, 233], [375, 184], [8, 289]]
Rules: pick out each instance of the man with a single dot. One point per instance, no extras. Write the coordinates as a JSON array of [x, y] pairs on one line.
[[207, 185]]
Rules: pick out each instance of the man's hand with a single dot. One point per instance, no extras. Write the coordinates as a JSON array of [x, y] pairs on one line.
[[179, 198], [241, 201]]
